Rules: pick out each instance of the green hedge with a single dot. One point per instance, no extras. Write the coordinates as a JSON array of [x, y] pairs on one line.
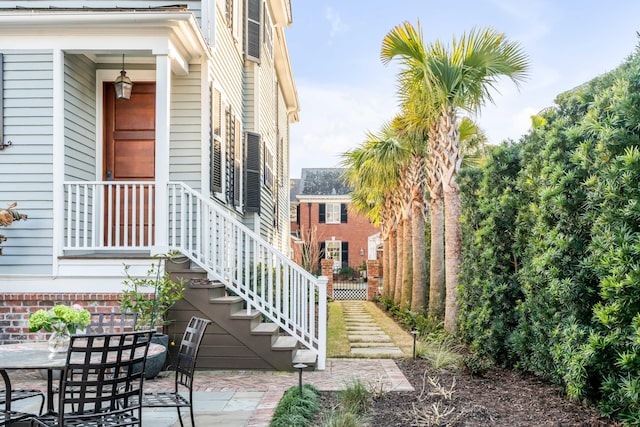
[[550, 278]]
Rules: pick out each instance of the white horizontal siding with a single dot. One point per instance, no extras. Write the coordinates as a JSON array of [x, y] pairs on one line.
[[186, 128], [26, 167]]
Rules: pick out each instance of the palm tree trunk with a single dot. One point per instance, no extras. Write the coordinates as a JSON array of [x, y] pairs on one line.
[[407, 260], [451, 160], [436, 271], [419, 268], [386, 282], [453, 238], [397, 296]]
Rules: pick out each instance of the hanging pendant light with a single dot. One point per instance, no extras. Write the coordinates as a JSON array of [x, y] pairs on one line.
[[123, 84]]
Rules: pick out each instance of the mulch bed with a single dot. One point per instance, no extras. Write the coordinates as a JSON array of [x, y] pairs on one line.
[[499, 398]]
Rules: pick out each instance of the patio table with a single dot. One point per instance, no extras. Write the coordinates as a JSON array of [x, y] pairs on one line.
[[36, 355]]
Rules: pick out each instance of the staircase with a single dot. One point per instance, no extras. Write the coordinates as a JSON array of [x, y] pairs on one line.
[[237, 339], [268, 312]]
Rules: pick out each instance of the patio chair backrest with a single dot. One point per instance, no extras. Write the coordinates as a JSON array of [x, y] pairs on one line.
[[112, 323], [188, 352], [99, 381]]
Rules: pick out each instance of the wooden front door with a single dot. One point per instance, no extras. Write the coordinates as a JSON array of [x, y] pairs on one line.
[[129, 155]]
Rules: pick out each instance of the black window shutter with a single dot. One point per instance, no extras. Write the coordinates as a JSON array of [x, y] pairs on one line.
[[252, 172], [322, 214], [216, 167], [343, 212], [254, 24], [345, 254], [298, 214]]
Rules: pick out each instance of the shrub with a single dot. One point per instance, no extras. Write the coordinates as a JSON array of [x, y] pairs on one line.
[[294, 410]]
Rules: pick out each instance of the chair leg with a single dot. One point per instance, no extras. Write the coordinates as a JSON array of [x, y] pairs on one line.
[[41, 406], [193, 420], [180, 416]]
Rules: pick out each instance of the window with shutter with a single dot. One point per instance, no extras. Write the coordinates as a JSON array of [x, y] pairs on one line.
[[252, 172], [215, 159], [334, 252], [252, 36]]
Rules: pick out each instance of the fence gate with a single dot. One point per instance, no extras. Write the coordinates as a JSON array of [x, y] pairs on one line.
[[350, 291]]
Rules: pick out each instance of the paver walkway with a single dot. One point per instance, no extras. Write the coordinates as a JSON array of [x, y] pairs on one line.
[[365, 335]]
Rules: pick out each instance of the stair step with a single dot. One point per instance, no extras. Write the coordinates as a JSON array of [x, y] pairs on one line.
[[242, 314], [225, 300], [307, 357], [284, 343], [265, 328]]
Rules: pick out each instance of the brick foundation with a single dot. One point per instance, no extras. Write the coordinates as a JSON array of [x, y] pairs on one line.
[[15, 309]]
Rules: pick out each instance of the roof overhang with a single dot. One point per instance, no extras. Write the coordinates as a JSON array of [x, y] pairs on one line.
[[175, 33]]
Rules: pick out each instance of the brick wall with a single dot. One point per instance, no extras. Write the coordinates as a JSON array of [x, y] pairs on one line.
[[15, 309], [356, 231]]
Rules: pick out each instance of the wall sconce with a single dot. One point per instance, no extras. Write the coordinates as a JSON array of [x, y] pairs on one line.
[[123, 84], [361, 251]]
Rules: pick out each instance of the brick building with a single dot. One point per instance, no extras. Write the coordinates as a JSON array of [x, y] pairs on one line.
[[320, 201]]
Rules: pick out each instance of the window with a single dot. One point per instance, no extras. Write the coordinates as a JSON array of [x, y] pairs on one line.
[[268, 168], [332, 213], [333, 250]]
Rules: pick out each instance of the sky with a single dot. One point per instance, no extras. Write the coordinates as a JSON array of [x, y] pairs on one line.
[[345, 90]]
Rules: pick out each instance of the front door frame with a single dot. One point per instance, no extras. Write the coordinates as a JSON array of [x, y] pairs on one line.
[[162, 76]]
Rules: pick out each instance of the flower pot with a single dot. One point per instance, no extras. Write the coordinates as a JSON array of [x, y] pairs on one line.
[[154, 363]]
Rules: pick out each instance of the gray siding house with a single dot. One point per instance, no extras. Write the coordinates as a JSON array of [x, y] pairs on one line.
[[194, 161]]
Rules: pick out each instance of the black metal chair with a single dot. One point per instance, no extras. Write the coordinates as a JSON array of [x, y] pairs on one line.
[[21, 395], [7, 416], [112, 323], [99, 386], [185, 368]]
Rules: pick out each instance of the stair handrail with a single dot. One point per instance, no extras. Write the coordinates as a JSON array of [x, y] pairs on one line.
[[244, 262]]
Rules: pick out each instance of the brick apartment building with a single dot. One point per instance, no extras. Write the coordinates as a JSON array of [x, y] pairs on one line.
[[320, 200]]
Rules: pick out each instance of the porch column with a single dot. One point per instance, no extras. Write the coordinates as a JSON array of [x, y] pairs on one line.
[[163, 110]]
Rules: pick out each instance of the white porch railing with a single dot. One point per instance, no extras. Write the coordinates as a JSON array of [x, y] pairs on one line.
[[119, 216], [109, 215], [267, 280]]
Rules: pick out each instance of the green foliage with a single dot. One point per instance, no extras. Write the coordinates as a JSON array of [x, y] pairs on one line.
[[355, 398], [58, 316], [343, 419], [296, 410], [151, 296], [550, 278]]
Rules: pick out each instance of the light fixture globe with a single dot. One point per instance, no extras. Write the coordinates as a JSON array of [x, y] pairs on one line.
[[123, 84]]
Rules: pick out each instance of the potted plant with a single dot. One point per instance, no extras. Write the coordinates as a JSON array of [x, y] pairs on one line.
[[60, 321], [151, 297]]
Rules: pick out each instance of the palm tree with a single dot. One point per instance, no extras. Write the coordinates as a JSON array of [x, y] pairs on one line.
[[459, 78], [372, 169]]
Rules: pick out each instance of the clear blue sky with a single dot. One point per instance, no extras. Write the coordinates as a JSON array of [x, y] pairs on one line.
[[345, 90]]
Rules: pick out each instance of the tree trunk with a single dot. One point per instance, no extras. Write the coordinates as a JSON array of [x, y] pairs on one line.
[[407, 260], [397, 295], [436, 272], [418, 303], [451, 159], [386, 282]]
